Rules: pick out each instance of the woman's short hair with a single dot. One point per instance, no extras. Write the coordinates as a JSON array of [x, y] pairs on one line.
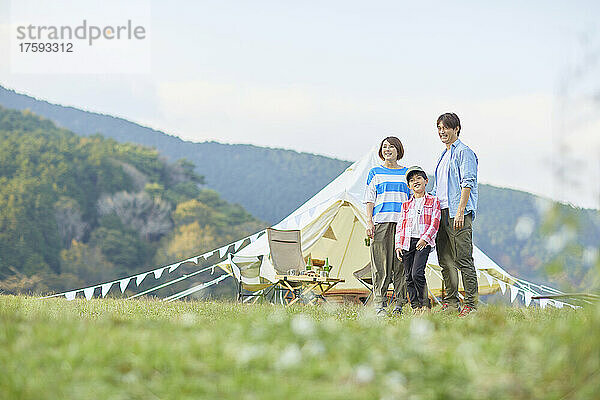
[[394, 141], [450, 120]]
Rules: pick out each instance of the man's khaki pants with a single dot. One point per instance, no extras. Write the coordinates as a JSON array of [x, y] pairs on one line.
[[455, 252]]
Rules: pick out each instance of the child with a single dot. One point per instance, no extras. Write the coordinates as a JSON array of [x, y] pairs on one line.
[[415, 235]]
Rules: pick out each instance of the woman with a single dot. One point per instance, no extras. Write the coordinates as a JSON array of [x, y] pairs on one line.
[[386, 191]]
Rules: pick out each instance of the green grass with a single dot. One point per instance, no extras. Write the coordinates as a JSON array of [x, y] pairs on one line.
[[117, 349]]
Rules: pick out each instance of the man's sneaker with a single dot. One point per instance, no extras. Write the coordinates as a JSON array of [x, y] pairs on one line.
[[380, 312], [466, 311]]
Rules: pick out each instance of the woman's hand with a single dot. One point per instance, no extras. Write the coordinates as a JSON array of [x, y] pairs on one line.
[[399, 254], [370, 229]]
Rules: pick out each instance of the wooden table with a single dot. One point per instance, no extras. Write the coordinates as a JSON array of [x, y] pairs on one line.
[[319, 285]]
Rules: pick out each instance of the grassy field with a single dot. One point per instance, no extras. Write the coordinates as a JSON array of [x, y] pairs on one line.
[[116, 349]]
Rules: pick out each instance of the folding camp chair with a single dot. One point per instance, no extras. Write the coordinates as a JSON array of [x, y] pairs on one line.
[[286, 256], [363, 275]]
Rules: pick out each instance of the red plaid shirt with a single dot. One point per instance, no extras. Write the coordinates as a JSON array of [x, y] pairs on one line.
[[429, 222]]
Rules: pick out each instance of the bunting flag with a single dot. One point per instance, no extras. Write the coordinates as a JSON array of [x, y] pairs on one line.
[[298, 218], [478, 274], [234, 268], [558, 304], [223, 251], [105, 288], [237, 244], [254, 237], [173, 267], [543, 303], [528, 296], [158, 272], [123, 284], [70, 295], [89, 292], [502, 286], [489, 278], [513, 293], [311, 212], [140, 278]]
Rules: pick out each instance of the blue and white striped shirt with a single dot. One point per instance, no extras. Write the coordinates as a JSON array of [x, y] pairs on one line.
[[387, 189]]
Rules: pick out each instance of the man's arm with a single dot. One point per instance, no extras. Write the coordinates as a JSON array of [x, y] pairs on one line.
[[468, 172], [459, 218]]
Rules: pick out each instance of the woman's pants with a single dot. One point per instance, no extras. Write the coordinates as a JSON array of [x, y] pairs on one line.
[[385, 266]]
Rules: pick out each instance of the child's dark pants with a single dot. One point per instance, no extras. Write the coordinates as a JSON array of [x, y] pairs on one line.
[[414, 267]]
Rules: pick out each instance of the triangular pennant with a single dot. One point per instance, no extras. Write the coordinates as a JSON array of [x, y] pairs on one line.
[[528, 295], [238, 244], [478, 274], [173, 267], [123, 284], [490, 279], [283, 225], [543, 303], [70, 295], [311, 212], [253, 237], [140, 278], [223, 251], [105, 288], [88, 292], [502, 286], [559, 304], [158, 272], [193, 259], [513, 293]]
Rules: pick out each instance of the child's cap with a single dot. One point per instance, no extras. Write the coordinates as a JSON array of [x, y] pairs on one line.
[[412, 170]]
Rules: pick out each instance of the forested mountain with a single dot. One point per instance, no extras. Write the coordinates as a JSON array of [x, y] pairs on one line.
[[79, 210], [269, 183], [511, 227]]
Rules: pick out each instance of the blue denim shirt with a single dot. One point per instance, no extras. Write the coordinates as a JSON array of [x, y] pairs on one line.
[[462, 172]]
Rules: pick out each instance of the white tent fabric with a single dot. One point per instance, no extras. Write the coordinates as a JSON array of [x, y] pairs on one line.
[[332, 225]]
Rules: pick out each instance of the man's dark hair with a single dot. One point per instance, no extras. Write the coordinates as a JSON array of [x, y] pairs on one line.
[[394, 141], [450, 120], [413, 173]]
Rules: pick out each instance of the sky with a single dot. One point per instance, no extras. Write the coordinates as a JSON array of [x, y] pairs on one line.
[[336, 77]]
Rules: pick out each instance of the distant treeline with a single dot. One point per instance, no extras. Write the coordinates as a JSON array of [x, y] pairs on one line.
[[81, 210]]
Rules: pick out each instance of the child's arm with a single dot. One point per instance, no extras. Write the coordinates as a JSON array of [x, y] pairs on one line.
[[436, 216], [399, 237]]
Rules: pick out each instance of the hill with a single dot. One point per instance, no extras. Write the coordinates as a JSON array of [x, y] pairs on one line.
[[511, 226], [79, 210], [269, 183]]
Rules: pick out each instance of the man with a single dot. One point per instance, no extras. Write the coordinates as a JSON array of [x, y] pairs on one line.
[[456, 187]]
